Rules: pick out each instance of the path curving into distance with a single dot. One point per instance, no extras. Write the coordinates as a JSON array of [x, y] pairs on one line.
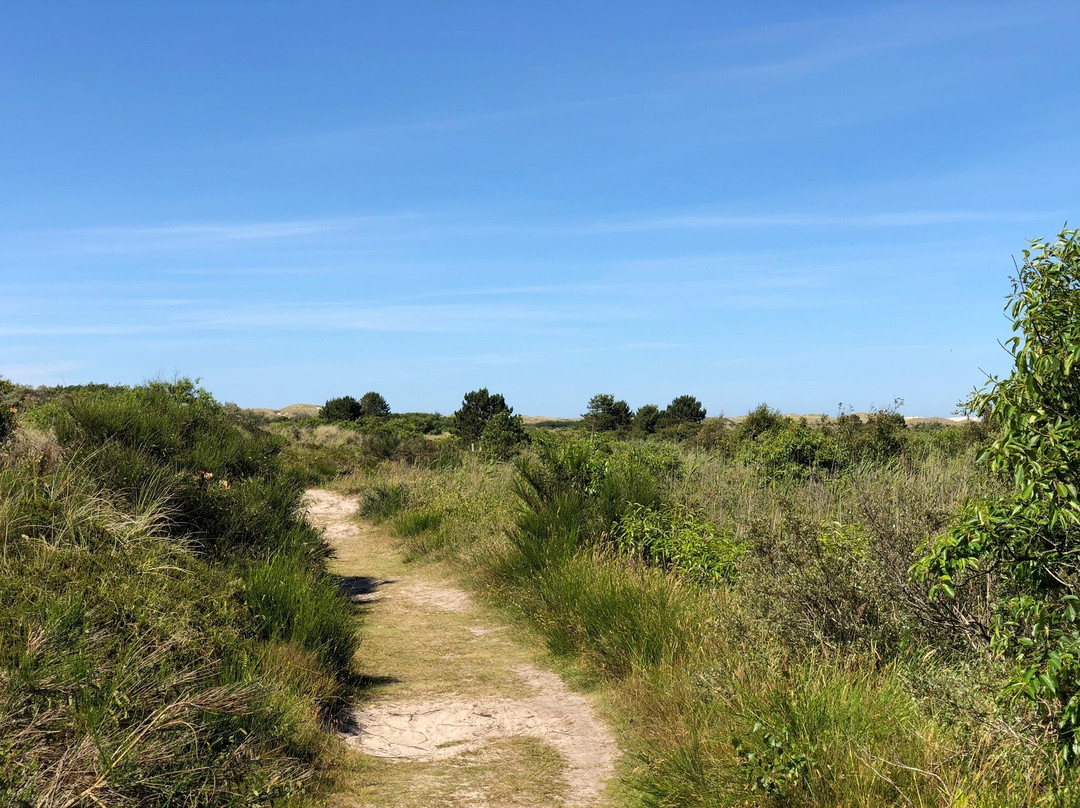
[[460, 712]]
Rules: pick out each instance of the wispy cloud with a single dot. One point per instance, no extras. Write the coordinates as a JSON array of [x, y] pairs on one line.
[[918, 218], [435, 318], [202, 233], [355, 232], [75, 330], [460, 120]]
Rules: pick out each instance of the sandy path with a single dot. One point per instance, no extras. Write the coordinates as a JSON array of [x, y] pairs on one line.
[[460, 714]]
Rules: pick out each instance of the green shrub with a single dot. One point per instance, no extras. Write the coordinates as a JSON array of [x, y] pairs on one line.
[[646, 419], [758, 421], [477, 408], [345, 408], [682, 410], [791, 448], [373, 405], [591, 478], [9, 408], [679, 539], [503, 436], [1026, 540], [605, 414]]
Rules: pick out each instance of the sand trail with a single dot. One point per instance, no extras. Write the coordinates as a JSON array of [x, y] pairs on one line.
[[464, 715]]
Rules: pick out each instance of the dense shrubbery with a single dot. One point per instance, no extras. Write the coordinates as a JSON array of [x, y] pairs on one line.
[[678, 538], [168, 634]]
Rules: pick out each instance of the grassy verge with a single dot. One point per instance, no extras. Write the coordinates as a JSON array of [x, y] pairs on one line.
[[169, 634], [809, 672]]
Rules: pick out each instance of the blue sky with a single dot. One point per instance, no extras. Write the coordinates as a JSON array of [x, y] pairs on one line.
[[798, 203]]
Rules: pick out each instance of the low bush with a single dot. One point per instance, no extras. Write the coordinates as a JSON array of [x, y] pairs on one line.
[[292, 602], [678, 539]]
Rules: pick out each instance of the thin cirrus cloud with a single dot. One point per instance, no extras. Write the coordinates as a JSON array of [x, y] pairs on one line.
[[520, 317], [396, 227], [195, 235], [807, 61]]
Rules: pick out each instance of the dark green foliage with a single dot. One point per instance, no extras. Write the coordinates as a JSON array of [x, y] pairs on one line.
[[647, 419], [9, 408], [682, 410], [477, 408], [595, 478], [383, 501], [373, 405], [605, 414], [382, 442], [881, 437], [791, 447], [503, 436], [174, 440], [345, 408], [758, 421], [712, 434], [1028, 540], [680, 432]]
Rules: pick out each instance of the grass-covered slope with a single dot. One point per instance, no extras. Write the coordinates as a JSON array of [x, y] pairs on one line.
[[168, 633]]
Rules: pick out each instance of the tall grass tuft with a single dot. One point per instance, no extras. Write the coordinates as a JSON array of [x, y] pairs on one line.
[[382, 502], [292, 602]]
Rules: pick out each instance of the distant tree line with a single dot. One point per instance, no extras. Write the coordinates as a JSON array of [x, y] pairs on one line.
[[606, 414], [347, 408]]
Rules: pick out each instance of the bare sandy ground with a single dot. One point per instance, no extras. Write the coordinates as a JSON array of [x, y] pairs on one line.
[[460, 683]]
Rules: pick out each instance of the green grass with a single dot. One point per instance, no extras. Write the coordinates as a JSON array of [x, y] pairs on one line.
[[415, 523], [168, 635], [382, 502]]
